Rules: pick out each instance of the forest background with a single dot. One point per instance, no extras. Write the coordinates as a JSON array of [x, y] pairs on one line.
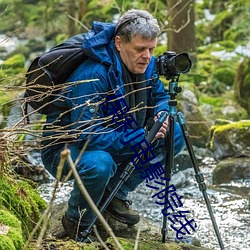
[[214, 33]]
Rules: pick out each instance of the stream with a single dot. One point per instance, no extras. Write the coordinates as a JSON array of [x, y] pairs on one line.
[[230, 203]]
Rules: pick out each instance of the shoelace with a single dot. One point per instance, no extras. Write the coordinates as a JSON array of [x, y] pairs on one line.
[[127, 203]]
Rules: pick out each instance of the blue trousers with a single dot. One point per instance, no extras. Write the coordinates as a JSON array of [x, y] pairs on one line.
[[99, 170]]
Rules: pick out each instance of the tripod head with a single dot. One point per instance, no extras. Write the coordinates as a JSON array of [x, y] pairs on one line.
[[174, 89]]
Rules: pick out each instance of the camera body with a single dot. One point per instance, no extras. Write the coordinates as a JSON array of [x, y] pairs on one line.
[[171, 65]]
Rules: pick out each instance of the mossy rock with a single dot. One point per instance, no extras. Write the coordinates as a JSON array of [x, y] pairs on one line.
[[11, 237], [232, 139], [22, 200]]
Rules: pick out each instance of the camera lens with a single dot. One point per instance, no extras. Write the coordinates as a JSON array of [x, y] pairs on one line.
[[182, 63]]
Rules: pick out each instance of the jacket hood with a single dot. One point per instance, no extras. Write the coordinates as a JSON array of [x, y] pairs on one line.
[[98, 43]]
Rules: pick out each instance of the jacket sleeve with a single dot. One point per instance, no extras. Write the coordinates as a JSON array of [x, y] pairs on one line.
[[88, 121]]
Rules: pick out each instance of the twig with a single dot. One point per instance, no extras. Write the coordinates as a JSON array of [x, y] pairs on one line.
[[137, 236], [66, 154], [45, 217], [77, 21], [99, 238]]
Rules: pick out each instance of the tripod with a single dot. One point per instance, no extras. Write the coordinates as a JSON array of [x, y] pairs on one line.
[[173, 90], [173, 114]]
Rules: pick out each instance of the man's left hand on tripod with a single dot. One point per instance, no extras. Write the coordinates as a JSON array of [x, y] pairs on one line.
[[164, 128]]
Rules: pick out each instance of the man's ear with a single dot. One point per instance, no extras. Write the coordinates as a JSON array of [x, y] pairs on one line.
[[118, 42]]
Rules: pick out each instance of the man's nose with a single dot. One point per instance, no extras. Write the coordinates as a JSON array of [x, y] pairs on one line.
[[146, 54]]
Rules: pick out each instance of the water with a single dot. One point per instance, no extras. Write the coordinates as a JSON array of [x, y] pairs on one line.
[[230, 204]]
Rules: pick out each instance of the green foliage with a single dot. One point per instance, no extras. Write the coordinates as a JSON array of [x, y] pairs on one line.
[[224, 75], [12, 67], [17, 61], [219, 102], [216, 67], [214, 101], [48, 20], [242, 84], [229, 23]]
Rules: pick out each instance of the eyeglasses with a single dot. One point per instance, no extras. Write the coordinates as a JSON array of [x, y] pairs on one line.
[[124, 24]]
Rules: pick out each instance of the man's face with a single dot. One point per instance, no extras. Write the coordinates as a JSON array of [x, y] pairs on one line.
[[137, 53]]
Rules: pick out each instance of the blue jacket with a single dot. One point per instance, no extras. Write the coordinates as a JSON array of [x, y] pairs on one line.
[[87, 117]]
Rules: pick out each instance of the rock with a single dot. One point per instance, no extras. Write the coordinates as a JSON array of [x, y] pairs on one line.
[[190, 96], [231, 169], [197, 125], [149, 238]]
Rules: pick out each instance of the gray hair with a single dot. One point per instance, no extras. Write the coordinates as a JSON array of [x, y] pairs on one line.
[[137, 22]]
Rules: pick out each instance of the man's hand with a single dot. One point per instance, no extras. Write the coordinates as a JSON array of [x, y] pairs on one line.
[[164, 128]]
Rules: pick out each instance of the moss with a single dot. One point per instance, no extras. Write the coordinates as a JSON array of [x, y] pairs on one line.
[[13, 71], [16, 237], [219, 102], [6, 243], [225, 75], [229, 45], [128, 244], [16, 61], [214, 101], [13, 239], [9, 219], [21, 199], [235, 125]]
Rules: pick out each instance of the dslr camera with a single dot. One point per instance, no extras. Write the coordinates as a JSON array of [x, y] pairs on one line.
[[171, 65]]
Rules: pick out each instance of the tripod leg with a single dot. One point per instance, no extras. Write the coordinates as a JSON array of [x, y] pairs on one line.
[[168, 169], [124, 176], [127, 172], [199, 176]]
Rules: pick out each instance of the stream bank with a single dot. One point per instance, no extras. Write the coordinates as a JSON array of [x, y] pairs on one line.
[[230, 203]]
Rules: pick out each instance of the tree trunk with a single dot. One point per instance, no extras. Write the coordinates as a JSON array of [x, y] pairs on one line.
[[181, 27], [71, 6], [83, 7]]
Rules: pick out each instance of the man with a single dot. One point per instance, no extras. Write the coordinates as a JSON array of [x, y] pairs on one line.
[[121, 69]]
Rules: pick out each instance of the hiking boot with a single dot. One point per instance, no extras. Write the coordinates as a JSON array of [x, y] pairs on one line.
[[75, 231], [121, 211]]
